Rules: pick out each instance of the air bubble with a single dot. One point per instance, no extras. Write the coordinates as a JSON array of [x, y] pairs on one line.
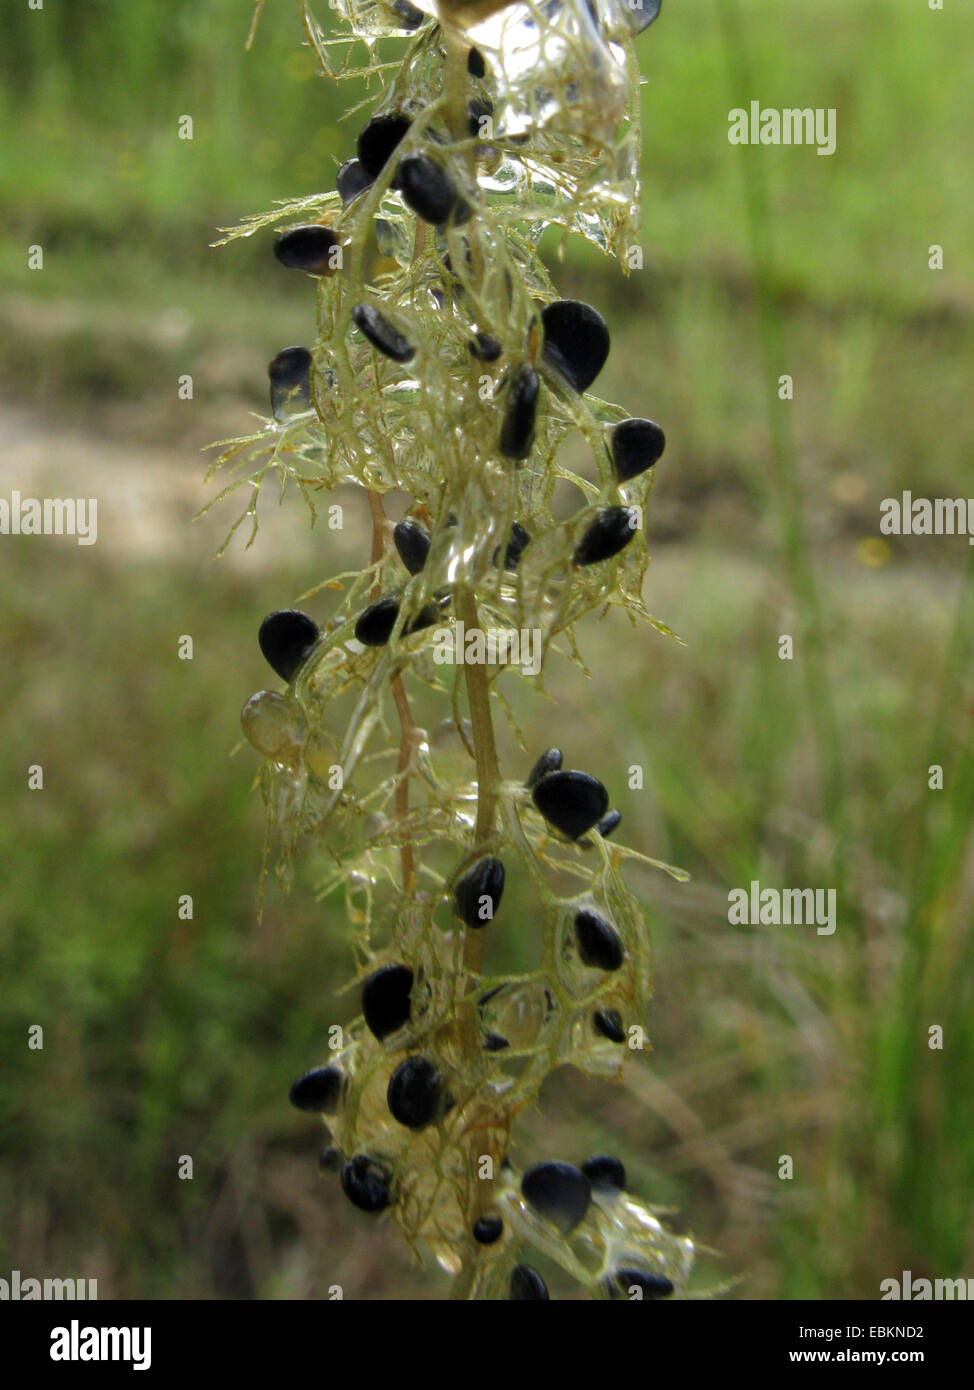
[[274, 725], [519, 1013]]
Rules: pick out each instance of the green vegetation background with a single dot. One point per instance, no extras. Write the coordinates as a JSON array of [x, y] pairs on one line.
[[166, 1037]]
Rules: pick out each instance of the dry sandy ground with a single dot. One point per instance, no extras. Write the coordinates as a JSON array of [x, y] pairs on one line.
[[146, 496]]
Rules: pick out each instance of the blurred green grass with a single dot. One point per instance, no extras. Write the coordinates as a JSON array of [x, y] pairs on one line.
[[166, 1037]]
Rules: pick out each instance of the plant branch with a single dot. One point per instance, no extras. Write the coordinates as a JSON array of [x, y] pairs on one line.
[[407, 727], [488, 783], [485, 757]]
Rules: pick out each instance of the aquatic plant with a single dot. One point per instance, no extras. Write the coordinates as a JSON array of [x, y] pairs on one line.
[[445, 367]]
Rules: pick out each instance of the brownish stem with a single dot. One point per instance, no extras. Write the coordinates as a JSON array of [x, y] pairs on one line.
[[378, 535]]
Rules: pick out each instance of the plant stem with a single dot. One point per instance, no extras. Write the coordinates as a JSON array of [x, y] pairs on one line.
[[464, 1282], [407, 727], [488, 783], [485, 757], [455, 83], [378, 535], [406, 740], [481, 720]]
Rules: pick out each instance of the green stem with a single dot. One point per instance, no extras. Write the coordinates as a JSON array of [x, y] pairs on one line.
[[488, 784], [485, 757], [455, 83]]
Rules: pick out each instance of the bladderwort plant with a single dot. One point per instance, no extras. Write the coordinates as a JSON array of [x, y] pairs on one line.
[[446, 368]]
